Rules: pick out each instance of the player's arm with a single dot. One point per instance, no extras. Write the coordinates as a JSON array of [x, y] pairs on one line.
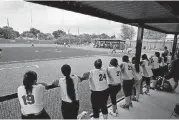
[[122, 67], [44, 84], [85, 76], [55, 83], [109, 75]]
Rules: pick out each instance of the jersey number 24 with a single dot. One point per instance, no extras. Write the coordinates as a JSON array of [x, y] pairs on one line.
[[101, 77], [29, 99]]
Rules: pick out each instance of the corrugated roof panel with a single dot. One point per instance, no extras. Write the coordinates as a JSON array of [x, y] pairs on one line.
[[132, 9]]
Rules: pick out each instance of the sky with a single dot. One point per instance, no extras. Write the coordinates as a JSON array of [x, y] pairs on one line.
[[48, 19]]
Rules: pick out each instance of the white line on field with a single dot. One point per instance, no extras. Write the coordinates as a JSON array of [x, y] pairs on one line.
[[34, 60], [20, 67]]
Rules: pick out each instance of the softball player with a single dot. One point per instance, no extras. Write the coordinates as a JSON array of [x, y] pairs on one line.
[[99, 89], [30, 96], [114, 83], [127, 77], [69, 93]]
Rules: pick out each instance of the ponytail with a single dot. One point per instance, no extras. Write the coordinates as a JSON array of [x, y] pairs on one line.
[[137, 68], [70, 88], [28, 81], [66, 70]]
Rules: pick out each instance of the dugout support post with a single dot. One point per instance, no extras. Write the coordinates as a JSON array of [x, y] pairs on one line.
[[174, 46], [139, 43]]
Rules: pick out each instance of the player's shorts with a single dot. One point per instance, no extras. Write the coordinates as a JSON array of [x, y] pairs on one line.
[[99, 102], [155, 72], [146, 79], [70, 110], [42, 115], [127, 87], [113, 90]]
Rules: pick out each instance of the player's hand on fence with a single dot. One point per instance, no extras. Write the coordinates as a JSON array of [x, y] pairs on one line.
[[55, 83]]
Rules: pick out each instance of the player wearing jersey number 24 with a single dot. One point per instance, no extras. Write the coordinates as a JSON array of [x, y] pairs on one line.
[[30, 96], [99, 89]]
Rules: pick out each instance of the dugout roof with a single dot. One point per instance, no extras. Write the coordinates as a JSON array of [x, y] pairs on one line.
[[162, 16]]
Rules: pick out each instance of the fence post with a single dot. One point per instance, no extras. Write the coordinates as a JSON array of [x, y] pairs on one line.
[[174, 46], [139, 43]]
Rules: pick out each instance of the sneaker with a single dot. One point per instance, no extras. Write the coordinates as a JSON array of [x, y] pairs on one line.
[[134, 99], [112, 113], [130, 104], [82, 115], [147, 93], [125, 106], [116, 111]]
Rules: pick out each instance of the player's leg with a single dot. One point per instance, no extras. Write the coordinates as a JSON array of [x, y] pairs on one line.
[[141, 85], [126, 93], [147, 80], [95, 104], [113, 92], [138, 84], [131, 84], [104, 99]]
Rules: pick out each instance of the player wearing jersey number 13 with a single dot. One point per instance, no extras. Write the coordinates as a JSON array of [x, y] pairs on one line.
[[30, 96], [114, 83], [99, 89]]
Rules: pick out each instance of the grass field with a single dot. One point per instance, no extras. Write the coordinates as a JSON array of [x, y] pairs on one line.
[[47, 62]]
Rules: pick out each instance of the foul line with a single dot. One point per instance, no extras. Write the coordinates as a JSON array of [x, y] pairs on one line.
[[34, 60]]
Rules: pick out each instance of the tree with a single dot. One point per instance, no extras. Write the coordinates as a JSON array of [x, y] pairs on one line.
[[34, 31], [113, 37], [8, 33], [41, 36], [150, 34], [49, 36], [27, 34], [127, 32], [58, 33], [104, 36]]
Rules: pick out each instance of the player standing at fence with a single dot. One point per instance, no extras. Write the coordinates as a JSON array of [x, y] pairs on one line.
[[137, 72], [99, 89], [127, 77], [147, 73], [30, 96], [69, 93], [155, 68], [114, 83]]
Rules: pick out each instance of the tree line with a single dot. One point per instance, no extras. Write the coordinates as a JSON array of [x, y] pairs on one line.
[[127, 33]]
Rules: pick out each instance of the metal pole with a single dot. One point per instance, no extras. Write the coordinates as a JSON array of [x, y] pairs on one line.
[[139, 43], [174, 46]]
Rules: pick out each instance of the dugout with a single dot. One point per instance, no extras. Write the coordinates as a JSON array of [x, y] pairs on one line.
[[109, 43]]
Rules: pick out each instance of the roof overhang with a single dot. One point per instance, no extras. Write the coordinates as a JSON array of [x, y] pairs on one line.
[[161, 16]]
